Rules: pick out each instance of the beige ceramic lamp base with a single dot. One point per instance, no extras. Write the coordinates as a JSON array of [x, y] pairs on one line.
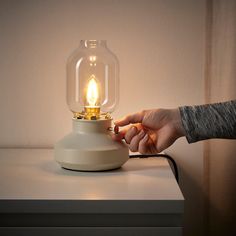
[[90, 148]]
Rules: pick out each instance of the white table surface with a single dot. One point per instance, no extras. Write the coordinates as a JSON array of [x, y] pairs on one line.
[[32, 174]]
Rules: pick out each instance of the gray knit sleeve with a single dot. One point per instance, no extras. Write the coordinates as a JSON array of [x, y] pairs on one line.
[[216, 120]]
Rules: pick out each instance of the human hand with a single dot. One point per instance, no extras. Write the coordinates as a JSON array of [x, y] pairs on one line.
[[151, 131]]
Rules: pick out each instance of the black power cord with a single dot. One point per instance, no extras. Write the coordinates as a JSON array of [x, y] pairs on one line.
[[168, 157]]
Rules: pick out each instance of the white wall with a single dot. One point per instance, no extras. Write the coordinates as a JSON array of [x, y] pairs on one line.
[[160, 45]]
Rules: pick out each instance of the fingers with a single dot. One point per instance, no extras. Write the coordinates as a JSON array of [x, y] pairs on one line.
[[126, 133], [137, 138], [118, 135], [130, 119], [134, 143], [130, 134], [143, 145]]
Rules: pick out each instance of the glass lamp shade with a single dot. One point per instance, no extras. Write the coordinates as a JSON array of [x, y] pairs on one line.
[[92, 80]]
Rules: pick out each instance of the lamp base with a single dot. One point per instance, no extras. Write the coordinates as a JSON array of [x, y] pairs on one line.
[[89, 147]]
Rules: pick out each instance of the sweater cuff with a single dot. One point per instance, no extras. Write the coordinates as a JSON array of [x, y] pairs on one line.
[[188, 124]]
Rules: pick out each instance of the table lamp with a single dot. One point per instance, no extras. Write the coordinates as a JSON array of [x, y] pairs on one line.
[[92, 95]]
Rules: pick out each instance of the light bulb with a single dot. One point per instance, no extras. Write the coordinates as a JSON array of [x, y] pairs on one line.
[[92, 92], [92, 110]]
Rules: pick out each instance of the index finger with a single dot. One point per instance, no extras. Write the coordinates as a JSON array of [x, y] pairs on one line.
[[118, 135], [130, 119]]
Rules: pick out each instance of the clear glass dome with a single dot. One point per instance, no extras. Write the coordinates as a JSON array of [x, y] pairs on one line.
[[92, 80]]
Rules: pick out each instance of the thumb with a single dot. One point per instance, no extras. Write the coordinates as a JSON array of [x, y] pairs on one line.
[[130, 119]]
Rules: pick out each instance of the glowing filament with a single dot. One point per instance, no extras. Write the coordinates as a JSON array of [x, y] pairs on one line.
[[92, 92]]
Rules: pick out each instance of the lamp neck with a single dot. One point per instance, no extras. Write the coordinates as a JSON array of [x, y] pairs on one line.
[[92, 43], [91, 126]]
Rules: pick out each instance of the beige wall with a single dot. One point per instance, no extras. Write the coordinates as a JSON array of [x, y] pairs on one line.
[[160, 45]]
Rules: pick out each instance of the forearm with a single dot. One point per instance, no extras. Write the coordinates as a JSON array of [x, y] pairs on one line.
[[209, 121]]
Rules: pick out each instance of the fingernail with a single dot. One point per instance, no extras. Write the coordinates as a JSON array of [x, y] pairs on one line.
[[145, 139], [142, 133], [116, 129], [133, 128]]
